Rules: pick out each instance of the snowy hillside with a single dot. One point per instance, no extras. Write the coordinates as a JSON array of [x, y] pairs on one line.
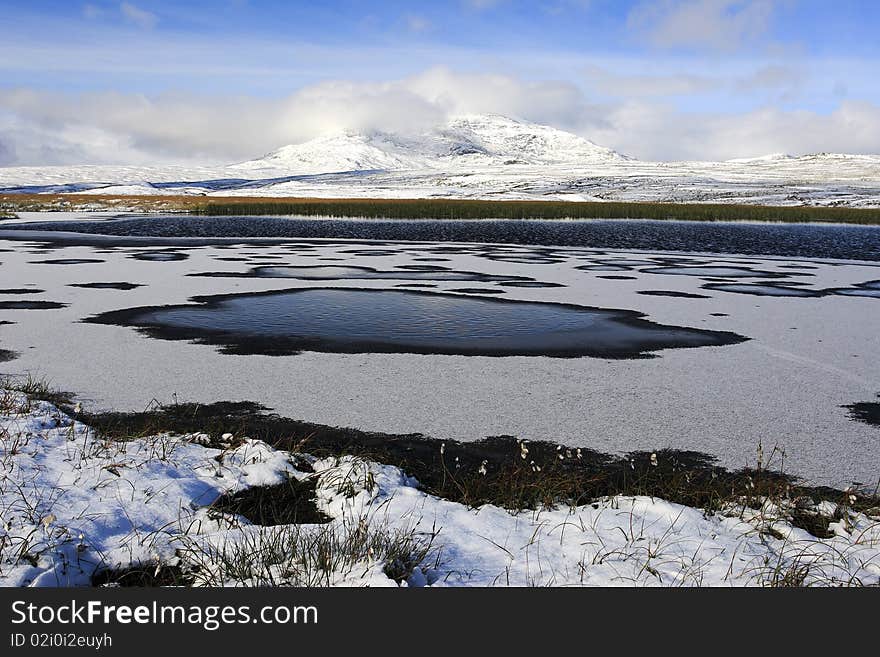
[[498, 137], [342, 151], [479, 156], [473, 140]]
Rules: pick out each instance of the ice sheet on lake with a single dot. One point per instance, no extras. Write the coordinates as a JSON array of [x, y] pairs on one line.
[[807, 357]]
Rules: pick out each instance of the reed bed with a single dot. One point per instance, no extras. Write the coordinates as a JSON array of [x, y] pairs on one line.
[[440, 208]]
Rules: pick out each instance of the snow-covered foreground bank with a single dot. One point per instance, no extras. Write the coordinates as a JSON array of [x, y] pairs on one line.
[[73, 504]]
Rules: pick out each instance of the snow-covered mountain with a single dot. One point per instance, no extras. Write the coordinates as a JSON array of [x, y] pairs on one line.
[[465, 141], [342, 151], [479, 156]]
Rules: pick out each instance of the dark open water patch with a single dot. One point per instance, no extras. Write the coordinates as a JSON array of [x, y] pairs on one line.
[[21, 290], [718, 272], [68, 261], [790, 240], [271, 261], [857, 292], [604, 267], [868, 412], [612, 277], [371, 253], [337, 272], [672, 293], [160, 256], [783, 283], [866, 289], [424, 267], [522, 259], [107, 286], [402, 321], [476, 290], [508, 283], [6, 355], [31, 305], [630, 263], [764, 290]]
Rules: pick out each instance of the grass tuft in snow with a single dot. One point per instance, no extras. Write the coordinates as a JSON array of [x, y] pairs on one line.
[[34, 389], [323, 555], [144, 575]]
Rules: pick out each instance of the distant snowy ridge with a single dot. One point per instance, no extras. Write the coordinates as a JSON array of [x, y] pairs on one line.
[[770, 157], [807, 158]]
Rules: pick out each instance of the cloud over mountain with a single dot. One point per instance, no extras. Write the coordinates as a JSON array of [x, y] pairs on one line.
[[40, 127]]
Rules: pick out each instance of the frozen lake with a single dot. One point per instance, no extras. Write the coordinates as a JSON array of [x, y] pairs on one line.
[[612, 335]]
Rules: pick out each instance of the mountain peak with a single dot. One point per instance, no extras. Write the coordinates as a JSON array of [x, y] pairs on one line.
[[345, 150], [465, 140], [532, 143]]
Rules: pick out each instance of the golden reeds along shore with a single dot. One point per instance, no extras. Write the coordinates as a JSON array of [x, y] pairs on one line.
[[438, 208]]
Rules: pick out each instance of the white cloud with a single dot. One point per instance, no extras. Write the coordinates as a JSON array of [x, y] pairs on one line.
[[637, 85], [140, 17], [782, 82], [457, 93], [658, 131], [39, 127], [709, 24]]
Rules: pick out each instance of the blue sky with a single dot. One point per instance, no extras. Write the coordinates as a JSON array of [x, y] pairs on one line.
[[668, 79]]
